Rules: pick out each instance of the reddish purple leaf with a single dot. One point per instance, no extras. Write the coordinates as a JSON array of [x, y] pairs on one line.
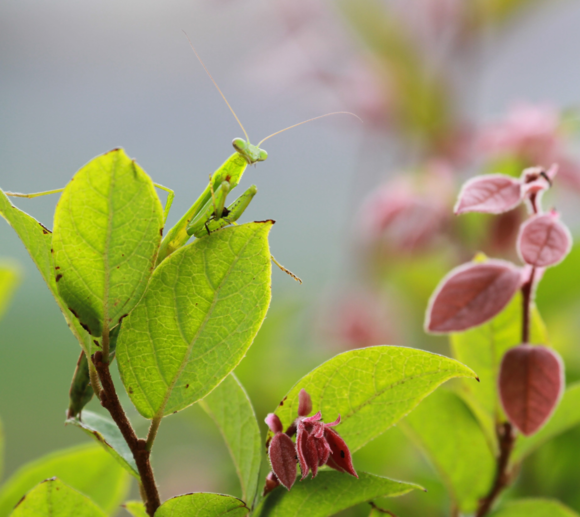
[[340, 458], [543, 240], [491, 194], [472, 294], [531, 382], [282, 453]]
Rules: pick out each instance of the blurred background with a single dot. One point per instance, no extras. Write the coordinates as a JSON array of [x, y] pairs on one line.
[[446, 89]]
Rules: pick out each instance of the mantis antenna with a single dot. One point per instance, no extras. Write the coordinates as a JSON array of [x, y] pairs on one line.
[[309, 120], [216, 85]]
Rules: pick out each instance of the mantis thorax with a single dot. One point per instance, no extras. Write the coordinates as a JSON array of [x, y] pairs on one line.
[[251, 153]]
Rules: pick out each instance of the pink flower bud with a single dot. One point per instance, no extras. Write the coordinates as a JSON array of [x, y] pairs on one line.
[[491, 194], [274, 423], [472, 294], [544, 240], [304, 403], [531, 382], [282, 454]]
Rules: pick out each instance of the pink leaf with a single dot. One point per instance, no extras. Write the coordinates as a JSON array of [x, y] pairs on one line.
[[471, 294], [274, 423], [531, 381], [282, 453], [491, 194], [543, 240]]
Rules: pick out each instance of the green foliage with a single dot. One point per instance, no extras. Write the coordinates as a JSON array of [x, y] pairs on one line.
[[107, 434], [371, 388], [88, 469], [482, 349], [202, 505], [52, 498], [232, 411], [136, 508], [328, 493], [1, 449], [453, 440], [107, 229], [566, 416], [534, 508], [222, 284], [9, 280], [38, 242]]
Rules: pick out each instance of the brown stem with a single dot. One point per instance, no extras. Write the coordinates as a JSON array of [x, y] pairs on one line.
[[506, 440], [110, 401], [527, 292]]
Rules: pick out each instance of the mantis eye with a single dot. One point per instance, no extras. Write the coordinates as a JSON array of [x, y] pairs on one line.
[[262, 156], [239, 144]]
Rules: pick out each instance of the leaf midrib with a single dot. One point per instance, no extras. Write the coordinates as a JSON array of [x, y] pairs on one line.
[[161, 410]]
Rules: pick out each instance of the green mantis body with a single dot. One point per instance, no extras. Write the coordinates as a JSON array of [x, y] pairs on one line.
[[207, 206]]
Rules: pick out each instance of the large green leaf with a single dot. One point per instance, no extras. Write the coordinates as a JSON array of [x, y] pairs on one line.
[[201, 312], [534, 508], [38, 242], [566, 416], [107, 230], [232, 411], [482, 349], [9, 279], [328, 493], [202, 504], [371, 388], [88, 469], [453, 440], [52, 498], [107, 434]]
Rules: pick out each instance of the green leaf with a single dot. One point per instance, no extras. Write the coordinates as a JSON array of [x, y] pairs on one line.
[[371, 388], [88, 469], [107, 230], [453, 440], [566, 416], [38, 242], [482, 349], [328, 493], [201, 312], [9, 280], [231, 409], [202, 505], [108, 435], [534, 508], [136, 508], [52, 498]]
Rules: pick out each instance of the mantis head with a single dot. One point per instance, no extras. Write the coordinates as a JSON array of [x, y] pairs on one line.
[[251, 153]]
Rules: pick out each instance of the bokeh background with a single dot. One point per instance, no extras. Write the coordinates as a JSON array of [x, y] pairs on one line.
[[445, 88]]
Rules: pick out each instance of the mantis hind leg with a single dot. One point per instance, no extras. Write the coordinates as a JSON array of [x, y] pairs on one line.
[[287, 271]]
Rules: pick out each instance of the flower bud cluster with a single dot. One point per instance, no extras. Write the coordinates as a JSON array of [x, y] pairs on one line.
[[317, 444]]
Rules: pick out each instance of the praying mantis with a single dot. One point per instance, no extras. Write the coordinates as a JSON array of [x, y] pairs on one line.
[[209, 212]]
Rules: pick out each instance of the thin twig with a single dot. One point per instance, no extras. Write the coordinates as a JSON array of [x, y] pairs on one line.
[[381, 510], [506, 440], [110, 401]]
